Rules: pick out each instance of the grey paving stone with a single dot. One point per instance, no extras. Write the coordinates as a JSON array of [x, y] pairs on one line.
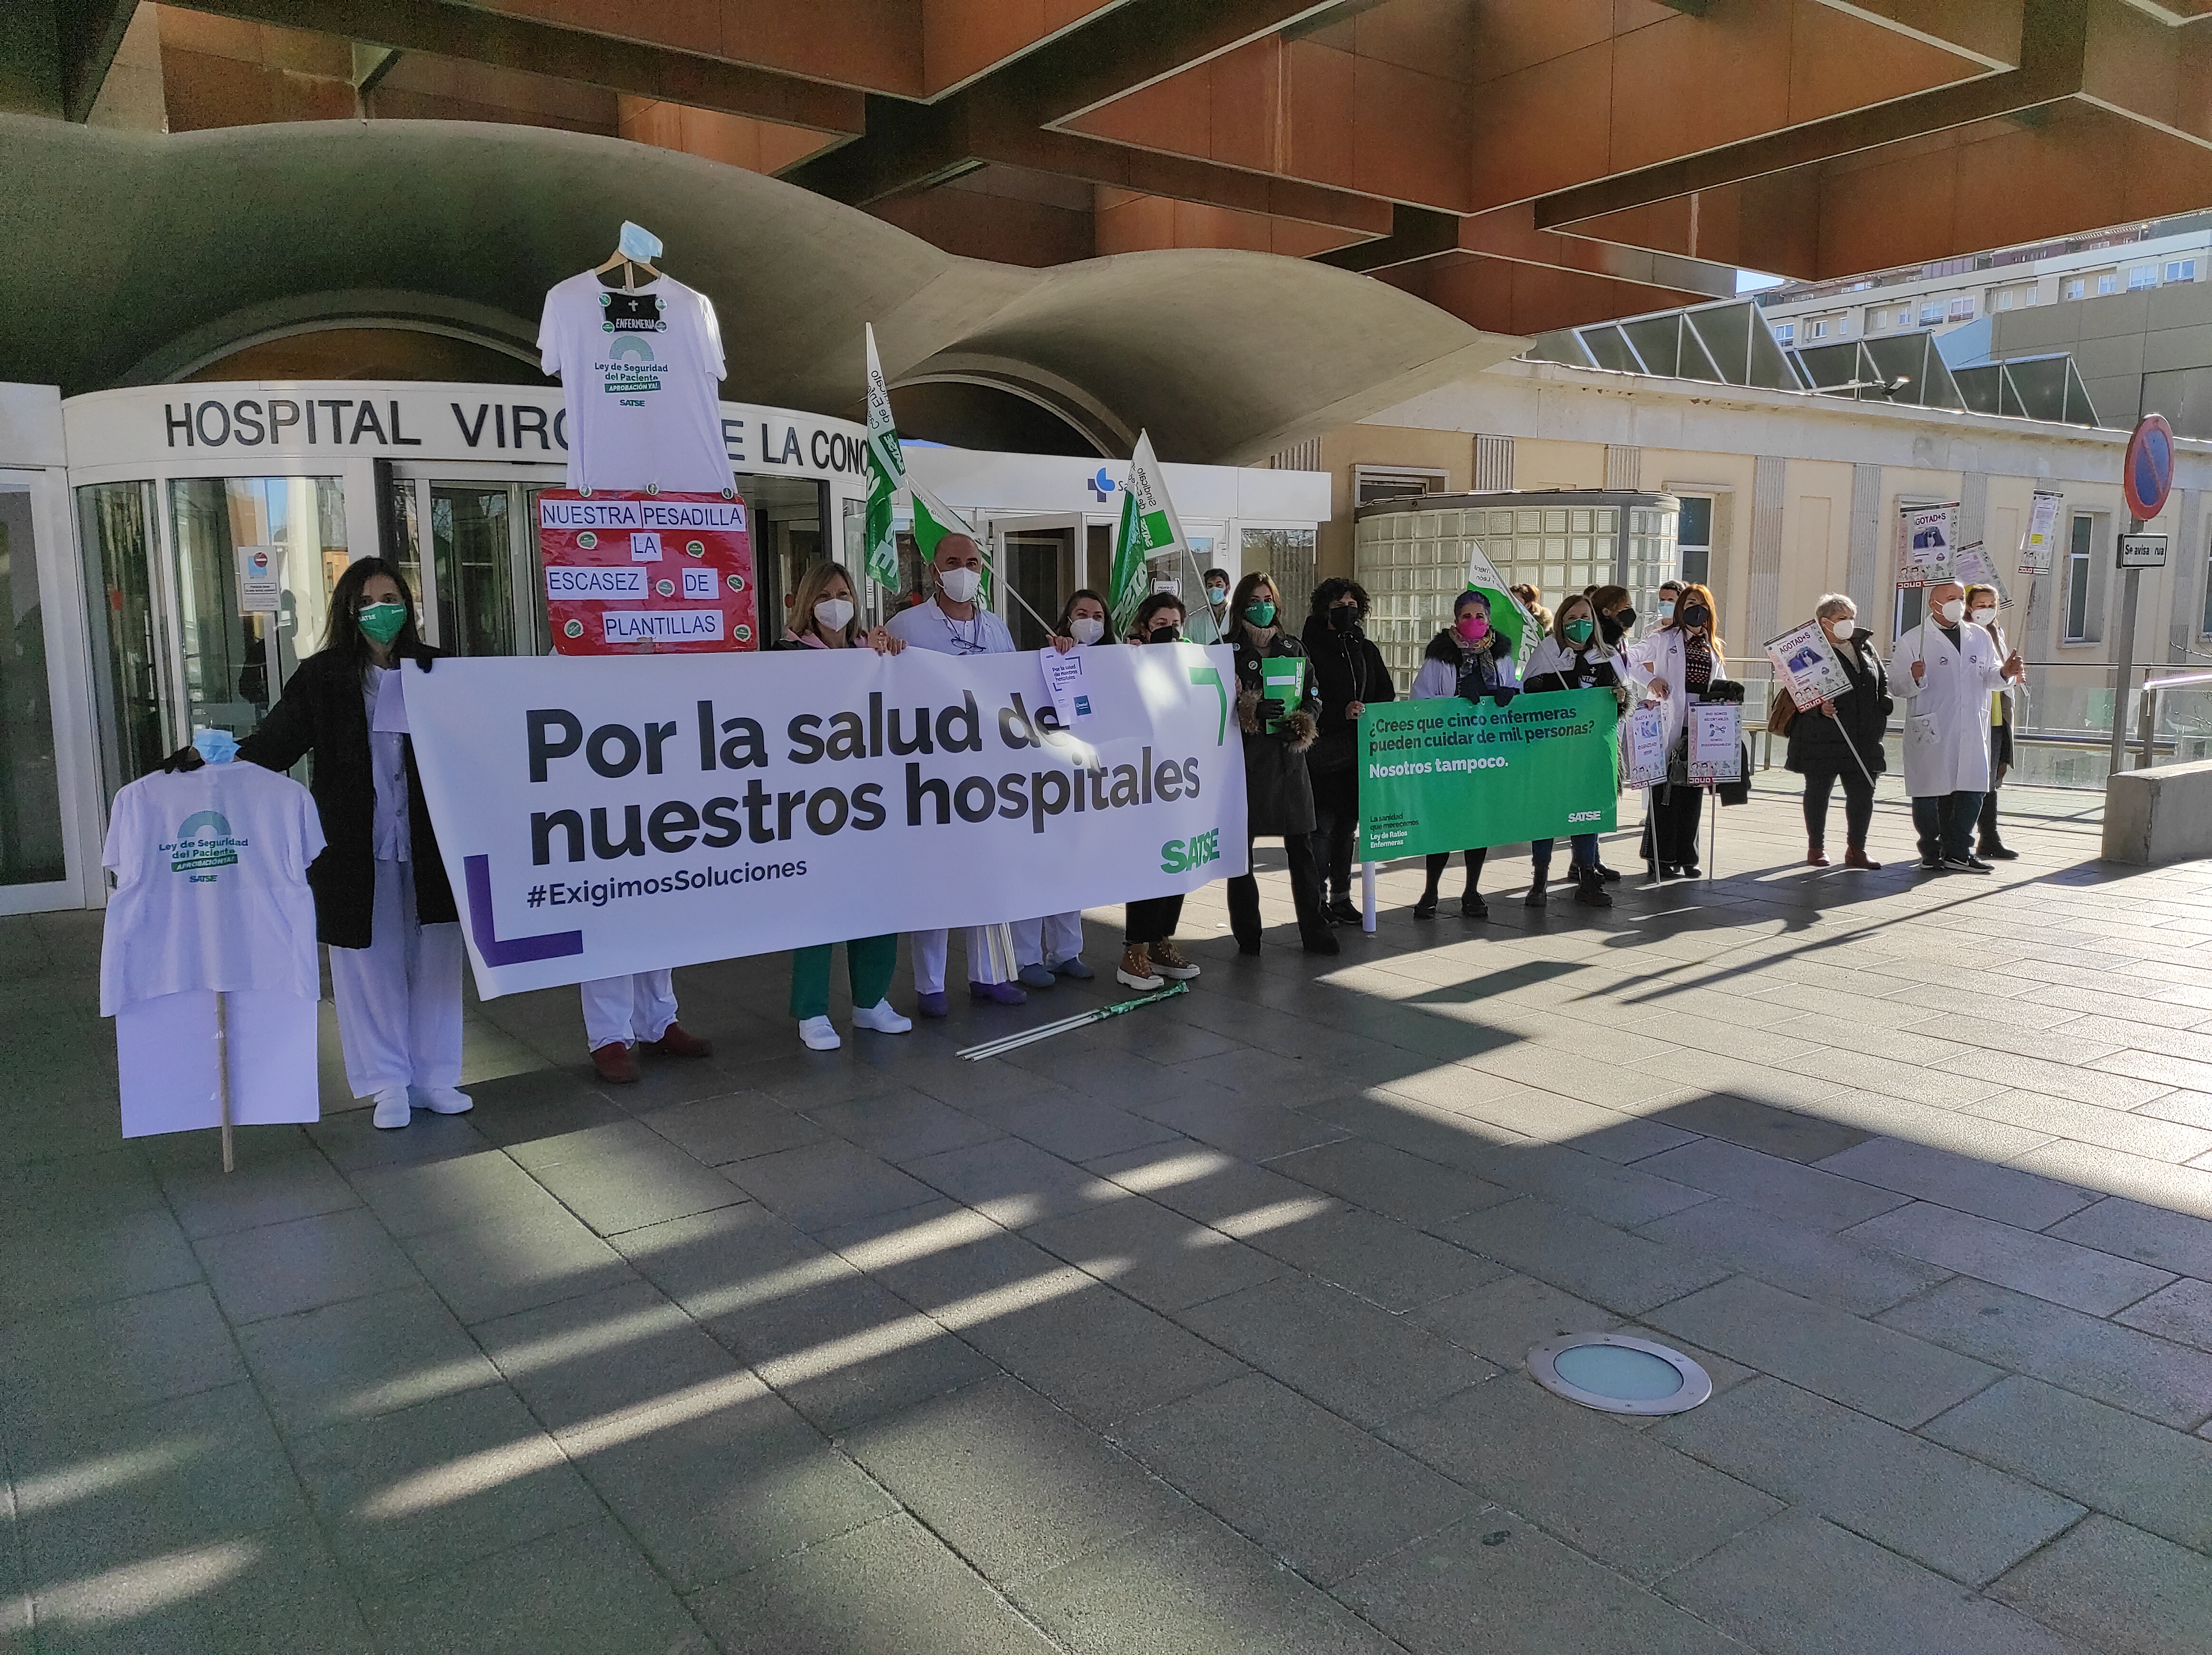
[[1784, 1132], [1158, 1257], [826, 1183], [1497, 1583], [1632, 1503], [2186, 1190], [1342, 1351], [1323, 1495], [2151, 1234], [1507, 1319], [1257, 1127], [1626, 1196], [1191, 1587], [717, 1131], [1965, 1182], [583, 1591], [584, 1359], [2118, 1589], [77, 1365], [1861, 1364], [628, 1188], [1389, 1181], [2150, 1475], [105, 1494], [112, 1256], [714, 1475], [2044, 1266], [365, 1357], [1083, 1129], [2166, 1382], [1625, 1273], [1009, 1181], [1816, 1264], [891, 1588], [280, 1269], [516, 1262], [468, 1189], [1940, 1509], [902, 1125], [274, 1592], [422, 1489], [1012, 1483], [1233, 1195], [1803, 1195], [2113, 1126], [280, 1176], [1394, 1265], [1800, 1583], [1429, 1132], [2182, 1313]]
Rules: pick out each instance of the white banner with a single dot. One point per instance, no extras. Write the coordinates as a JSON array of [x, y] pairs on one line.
[[600, 816]]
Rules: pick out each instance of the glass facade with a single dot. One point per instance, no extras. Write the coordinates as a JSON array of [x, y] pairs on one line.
[[117, 526], [1413, 558], [31, 850], [1288, 555]]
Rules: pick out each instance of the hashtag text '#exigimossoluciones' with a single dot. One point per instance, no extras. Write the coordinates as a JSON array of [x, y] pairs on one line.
[[599, 893]]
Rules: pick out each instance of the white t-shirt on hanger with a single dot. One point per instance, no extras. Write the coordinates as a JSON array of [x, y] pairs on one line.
[[638, 374], [211, 886]]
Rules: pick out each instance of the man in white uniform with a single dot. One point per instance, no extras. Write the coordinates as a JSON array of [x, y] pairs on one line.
[[1944, 673], [952, 623]]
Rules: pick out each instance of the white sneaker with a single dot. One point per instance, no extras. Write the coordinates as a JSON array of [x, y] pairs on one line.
[[392, 1108], [881, 1018], [441, 1100], [819, 1033]]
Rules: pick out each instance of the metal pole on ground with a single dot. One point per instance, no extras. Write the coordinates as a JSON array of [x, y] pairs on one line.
[[1367, 897], [222, 1079]]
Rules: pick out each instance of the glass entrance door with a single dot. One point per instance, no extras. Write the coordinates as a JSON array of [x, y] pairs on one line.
[[468, 548], [32, 836], [1037, 566]]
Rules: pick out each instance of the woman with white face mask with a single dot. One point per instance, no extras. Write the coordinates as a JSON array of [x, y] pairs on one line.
[[823, 617], [1840, 740], [1047, 949], [1981, 611]]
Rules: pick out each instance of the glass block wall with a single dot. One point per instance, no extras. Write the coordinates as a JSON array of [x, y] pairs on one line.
[[1412, 555]]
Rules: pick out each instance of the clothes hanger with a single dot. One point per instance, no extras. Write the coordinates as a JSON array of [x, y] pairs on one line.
[[635, 246]]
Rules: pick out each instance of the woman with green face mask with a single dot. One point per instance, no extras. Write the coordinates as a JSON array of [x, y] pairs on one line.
[[1279, 709], [1574, 656], [381, 899]]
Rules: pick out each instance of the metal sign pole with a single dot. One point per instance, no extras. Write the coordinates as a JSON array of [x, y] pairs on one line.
[[222, 1079], [2123, 660]]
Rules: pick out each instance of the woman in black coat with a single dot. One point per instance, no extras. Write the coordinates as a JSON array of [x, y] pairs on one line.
[[382, 902], [1278, 793], [1823, 739], [1351, 676]]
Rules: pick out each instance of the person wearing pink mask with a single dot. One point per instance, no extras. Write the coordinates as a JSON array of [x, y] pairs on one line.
[[1470, 659]]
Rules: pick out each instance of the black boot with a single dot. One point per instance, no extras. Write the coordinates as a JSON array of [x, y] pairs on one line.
[[1591, 891], [1425, 907], [1344, 911], [1472, 906]]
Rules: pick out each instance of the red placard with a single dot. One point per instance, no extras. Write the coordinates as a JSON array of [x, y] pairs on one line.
[[631, 573]]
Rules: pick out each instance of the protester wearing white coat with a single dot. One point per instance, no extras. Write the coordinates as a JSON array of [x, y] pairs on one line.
[[1944, 672]]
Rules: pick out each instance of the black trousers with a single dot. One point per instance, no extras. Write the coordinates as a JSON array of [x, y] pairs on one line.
[[1306, 892], [1676, 810], [1858, 805], [1336, 822], [1152, 919], [1438, 860]]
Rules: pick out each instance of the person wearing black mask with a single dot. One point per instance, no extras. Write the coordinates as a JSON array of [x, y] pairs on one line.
[[1149, 953], [1350, 675], [1677, 663], [1279, 714]]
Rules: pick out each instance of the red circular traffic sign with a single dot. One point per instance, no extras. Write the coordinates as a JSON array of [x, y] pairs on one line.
[[2147, 474]]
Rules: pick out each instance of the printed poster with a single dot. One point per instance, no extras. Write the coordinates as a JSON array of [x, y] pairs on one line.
[[1807, 664], [1450, 773], [1716, 743]]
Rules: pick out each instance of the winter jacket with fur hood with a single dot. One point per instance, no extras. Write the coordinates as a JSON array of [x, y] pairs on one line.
[[1451, 668]]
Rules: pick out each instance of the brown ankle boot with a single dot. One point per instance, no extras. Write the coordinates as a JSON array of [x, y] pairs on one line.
[[1815, 855], [1857, 858]]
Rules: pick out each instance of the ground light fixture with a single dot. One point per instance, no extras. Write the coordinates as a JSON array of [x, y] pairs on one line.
[[1617, 1374]]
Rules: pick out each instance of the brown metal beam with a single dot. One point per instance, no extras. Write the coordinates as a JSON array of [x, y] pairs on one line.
[[2055, 47], [451, 29]]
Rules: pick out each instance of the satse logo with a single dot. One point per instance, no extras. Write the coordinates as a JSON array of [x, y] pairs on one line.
[[203, 841], [1180, 855]]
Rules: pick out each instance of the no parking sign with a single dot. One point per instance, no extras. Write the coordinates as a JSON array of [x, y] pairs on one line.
[[626, 571]]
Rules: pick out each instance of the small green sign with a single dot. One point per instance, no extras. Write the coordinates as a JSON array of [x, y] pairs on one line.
[[1282, 678]]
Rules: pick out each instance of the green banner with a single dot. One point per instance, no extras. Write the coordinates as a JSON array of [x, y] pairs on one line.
[[1454, 775]]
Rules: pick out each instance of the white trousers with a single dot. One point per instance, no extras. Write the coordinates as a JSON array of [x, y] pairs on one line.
[[638, 1007], [929, 951], [1056, 937], [399, 998]]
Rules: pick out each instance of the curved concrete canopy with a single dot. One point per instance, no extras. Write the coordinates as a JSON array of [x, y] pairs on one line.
[[137, 255]]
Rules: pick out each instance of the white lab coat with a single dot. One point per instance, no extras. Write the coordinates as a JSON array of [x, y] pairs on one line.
[[1947, 714], [1660, 656]]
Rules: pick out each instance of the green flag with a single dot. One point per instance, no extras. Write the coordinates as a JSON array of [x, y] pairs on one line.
[[1506, 613], [933, 520], [1149, 529], [886, 473]]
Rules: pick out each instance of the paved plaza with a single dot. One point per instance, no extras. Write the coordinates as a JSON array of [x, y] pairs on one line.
[[1201, 1331]]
